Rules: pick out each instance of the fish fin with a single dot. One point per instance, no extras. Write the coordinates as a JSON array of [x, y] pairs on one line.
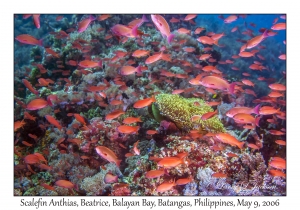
[[170, 38], [256, 109]]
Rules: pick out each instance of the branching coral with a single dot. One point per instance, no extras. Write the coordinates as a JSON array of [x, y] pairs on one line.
[[180, 110]]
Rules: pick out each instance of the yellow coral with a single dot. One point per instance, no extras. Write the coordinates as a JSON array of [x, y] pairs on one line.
[[180, 110]]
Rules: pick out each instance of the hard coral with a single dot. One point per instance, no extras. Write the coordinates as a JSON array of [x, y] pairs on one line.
[[180, 110]]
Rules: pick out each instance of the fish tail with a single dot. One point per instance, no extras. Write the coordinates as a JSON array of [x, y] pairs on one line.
[[92, 18], [118, 163], [40, 42], [100, 64], [240, 145], [153, 98], [257, 119], [216, 42], [256, 109], [134, 31], [170, 38], [231, 88], [144, 19], [265, 34], [138, 69]]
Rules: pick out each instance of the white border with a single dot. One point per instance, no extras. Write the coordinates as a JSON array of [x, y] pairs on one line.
[[8, 8]]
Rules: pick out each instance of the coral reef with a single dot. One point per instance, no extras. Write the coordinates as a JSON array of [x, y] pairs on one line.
[[180, 111]]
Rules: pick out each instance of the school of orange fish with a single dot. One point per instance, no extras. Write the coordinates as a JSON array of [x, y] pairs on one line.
[[82, 97]]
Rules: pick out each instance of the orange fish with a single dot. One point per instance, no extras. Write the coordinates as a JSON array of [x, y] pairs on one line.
[[243, 118], [128, 129], [234, 29], [48, 187], [128, 70], [110, 178], [90, 64], [207, 40], [275, 94], [255, 41], [184, 181], [18, 124], [103, 17], [154, 58], [154, 173], [219, 175], [178, 91], [247, 82], [108, 155], [27, 39], [189, 49], [279, 26], [130, 120], [52, 52], [199, 30], [79, 118], [229, 154], [276, 133], [278, 163], [213, 103], [36, 20], [204, 57], [163, 26], [135, 148], [209, 115], [116, 102], [53, 121], [280, 142], [228, 139], [151, 132], [245, 54], [277, 87], [31, 159], [253, 146], [245, 110], [82, 25], [37, 104], [282, 57], [189, 17], [29, 86], [144, 102], [170, 162], [165, 186], [96, 88], [115, 114], [268, 110], [217, 83], [273, 172], [183, 31], [122, 30], [230, 19], [140, 53], [65, 184], [26, 143]]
